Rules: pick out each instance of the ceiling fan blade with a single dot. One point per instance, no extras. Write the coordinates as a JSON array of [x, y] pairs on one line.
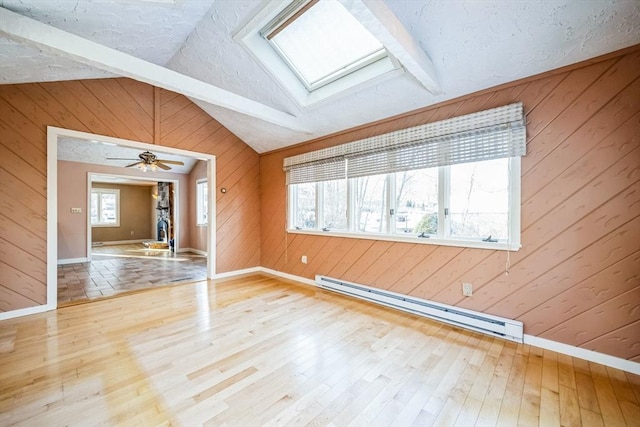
[[162, 166], [171, 162], [133, 164], [119, 158]]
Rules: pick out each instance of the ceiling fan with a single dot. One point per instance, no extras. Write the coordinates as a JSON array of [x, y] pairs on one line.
[[148, 160]]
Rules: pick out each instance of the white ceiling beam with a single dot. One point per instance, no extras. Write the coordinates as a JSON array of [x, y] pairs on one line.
[[376, 17], [55, 41]]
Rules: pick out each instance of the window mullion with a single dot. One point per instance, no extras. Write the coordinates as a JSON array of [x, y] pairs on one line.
[[351, 206], [444, 218], [319, 206], [391, 203]]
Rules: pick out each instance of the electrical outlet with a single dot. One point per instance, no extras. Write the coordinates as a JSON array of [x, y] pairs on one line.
[[304, 259], [76, 210], [467, 289], [132, 232]]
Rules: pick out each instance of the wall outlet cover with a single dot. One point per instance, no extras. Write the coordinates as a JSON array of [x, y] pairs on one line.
[[467, 289]]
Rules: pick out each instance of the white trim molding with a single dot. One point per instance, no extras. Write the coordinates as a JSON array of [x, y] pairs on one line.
[[242, 272], [195, 251], [583, 353], [26, 311], [66, 261]]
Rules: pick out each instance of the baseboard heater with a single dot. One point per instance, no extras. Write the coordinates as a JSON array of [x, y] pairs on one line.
[[488, 324]]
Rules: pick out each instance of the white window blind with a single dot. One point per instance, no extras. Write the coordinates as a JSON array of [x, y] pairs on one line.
[[490, 134]]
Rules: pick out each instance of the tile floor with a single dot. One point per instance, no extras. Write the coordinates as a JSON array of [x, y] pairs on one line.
[[124, 268]]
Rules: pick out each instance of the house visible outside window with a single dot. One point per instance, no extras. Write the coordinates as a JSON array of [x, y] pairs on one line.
[[202, 205], [105, 207]]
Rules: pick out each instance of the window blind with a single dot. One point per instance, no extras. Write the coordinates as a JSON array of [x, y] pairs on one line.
[[490, 134]]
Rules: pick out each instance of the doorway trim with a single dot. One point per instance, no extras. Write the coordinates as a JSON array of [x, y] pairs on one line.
[[53, 133], [175, 182]]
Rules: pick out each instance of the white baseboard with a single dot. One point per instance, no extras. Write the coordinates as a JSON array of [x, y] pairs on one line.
[[238, 272], [288, 276], [26, 311], [123, 242], [72, 261], [583, 353], [195, 251]]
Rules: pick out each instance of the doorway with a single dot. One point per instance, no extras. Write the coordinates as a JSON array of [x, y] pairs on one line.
[[56, 136]]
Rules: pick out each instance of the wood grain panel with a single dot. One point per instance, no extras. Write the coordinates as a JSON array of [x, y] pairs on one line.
[[121, 108], [184, 125], [580, 214]]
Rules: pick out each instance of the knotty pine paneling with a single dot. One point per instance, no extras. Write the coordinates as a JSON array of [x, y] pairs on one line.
[[576, 278], [120, 108]]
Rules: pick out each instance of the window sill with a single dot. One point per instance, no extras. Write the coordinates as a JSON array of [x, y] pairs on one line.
[[499, 246], [106, 225]]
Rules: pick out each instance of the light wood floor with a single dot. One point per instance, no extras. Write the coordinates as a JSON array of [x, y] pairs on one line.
[[262, 351]]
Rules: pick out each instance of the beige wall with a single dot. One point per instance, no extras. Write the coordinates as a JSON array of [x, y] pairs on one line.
[[576, 279], [120, 108], [72, 192], [135, 214]]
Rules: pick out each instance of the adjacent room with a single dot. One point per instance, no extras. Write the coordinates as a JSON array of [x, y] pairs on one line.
[[320, 212], [125, 219]]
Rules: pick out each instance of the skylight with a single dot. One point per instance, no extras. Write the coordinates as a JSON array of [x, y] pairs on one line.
[[322, 42]]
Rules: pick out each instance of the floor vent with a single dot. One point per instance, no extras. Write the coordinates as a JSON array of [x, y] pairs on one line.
[[492, 325]]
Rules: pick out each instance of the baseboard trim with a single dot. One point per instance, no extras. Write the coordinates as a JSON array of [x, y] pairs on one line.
[[195, 251], [583, 353], [288, 276], [123, 242], [72, 261], [26, 311], [233, 273]]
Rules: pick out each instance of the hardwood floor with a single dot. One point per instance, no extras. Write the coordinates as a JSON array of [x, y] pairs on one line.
[[118, 269], [259, 350]]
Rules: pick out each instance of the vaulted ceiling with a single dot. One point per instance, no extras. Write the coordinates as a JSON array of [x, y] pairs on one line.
[[189, 46]]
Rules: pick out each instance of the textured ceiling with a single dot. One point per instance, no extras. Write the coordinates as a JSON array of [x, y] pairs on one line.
[[96, 152], [473, 45]]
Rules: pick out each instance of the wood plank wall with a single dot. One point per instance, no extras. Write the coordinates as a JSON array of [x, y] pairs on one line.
[[121, 108], [576, 278]]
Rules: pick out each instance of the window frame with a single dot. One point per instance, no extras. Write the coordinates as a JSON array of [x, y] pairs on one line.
[[252, 37], [443, 238], [202, 188], [101, 191]]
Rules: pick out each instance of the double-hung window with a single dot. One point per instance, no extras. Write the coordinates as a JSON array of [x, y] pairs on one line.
[[105, 207], [461, 188]]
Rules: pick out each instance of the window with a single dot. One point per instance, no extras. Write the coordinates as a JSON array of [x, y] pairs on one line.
[[313, 43], [452, 182], [479, 200], [469, 204], [303, 206], [202, 202], [316, 49], [105, 207], [416, 196]]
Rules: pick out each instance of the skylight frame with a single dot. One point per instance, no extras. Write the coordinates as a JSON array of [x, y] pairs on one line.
[[250, 38]]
